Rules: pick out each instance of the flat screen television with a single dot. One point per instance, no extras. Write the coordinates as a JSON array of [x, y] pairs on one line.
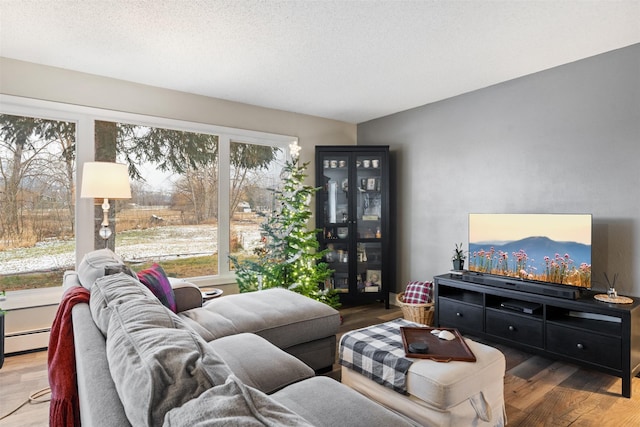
[[552, 249]]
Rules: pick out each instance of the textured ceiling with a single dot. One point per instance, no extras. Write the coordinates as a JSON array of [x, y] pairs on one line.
[[346, 60]]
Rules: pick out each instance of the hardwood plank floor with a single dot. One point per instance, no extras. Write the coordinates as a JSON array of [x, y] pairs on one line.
[[538, 391], [21, 376]]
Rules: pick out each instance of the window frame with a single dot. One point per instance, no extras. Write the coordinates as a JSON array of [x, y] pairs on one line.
[[84, 118]]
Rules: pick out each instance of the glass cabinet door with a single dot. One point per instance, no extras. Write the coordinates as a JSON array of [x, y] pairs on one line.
[[369, 222], [336, 223]]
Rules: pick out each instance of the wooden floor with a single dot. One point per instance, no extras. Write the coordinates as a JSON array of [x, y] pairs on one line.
[[538, 391]]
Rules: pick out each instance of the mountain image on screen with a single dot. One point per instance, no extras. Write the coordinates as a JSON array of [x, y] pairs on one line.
[[536, 258]]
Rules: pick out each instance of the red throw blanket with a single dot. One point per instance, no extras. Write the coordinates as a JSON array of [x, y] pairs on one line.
[[64, 410]]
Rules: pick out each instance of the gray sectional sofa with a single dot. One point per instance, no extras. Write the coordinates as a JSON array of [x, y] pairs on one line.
[[245, 359]]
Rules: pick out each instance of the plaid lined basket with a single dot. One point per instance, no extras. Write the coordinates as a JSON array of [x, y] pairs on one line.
[[418, 306]]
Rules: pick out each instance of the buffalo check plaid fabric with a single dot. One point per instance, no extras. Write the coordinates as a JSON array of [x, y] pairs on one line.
[[418, 293], [377, 353]]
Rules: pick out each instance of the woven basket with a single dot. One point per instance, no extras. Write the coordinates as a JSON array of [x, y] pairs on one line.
[[419, 313]]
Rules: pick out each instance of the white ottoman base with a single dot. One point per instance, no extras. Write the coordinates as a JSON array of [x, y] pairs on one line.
[[462, 414], [483, 407]]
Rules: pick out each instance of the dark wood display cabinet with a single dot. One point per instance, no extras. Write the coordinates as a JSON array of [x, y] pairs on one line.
[[352, 214], [599, 335]]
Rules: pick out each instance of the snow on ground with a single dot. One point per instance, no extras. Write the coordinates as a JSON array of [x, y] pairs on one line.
[[21, 260], [135, 245]]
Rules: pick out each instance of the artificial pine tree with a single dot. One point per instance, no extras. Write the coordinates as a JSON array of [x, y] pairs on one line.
[[289, 258]]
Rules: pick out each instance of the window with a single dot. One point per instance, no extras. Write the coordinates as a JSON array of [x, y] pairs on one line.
[[172, 218], [199, 192], [254, 179], [37, 209]]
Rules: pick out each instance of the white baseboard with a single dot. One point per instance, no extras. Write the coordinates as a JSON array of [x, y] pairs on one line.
[[28, 318], [26, 342]]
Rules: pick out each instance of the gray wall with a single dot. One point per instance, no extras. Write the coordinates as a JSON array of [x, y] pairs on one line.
[[564, 140]]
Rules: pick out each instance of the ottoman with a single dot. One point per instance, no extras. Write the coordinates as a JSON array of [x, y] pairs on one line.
[[443, 394]]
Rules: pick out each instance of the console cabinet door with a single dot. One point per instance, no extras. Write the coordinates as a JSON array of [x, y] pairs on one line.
[[585, 345], [460, 315], [517, 328]]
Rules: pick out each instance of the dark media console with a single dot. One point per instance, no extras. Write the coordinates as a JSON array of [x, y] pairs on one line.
[[521, 285], [581, 330]]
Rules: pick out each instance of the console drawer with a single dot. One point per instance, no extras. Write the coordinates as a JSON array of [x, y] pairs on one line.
[[517, 328], [455, 314], [585, 345]]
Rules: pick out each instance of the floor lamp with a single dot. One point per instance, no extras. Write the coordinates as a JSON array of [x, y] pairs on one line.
[[104, 180]]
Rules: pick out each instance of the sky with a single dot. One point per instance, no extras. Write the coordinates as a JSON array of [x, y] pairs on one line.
[[509, 227]]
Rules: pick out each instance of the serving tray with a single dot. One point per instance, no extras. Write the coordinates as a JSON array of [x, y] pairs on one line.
[[439, 350]]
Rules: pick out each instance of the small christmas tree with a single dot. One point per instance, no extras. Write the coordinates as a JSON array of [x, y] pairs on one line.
[[289, 258]]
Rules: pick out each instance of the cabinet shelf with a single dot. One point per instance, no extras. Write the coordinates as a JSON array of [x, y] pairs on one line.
[[598, 335], [513, 313]]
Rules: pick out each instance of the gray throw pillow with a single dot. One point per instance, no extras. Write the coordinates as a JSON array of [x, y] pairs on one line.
[[94, 263]]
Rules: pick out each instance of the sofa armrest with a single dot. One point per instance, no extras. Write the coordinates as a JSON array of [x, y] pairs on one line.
[[100, 404], [187, 295]]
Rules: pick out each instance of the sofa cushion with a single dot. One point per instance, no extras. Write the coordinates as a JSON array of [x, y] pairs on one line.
[[157, 281], [109, 291], [282, 317], [94, 263], [233, 404], [260, 364], [156, 361], [325, 402]]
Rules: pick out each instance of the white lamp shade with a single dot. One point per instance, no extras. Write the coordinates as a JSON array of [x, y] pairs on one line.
[[105, 180]]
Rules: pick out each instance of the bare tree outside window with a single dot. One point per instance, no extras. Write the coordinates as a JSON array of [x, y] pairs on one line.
[[37, 175]]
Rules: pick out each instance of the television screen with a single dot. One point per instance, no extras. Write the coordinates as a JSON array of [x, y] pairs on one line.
[[549, 248]]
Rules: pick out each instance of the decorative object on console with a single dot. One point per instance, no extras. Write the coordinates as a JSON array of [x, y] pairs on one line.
[[106, 181], [458, 258], [617, 299], [612, 295]]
